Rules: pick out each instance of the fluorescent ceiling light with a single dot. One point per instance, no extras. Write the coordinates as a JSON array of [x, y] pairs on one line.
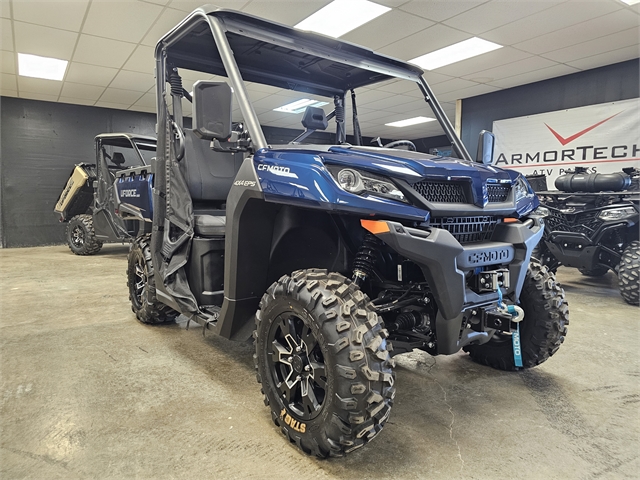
[[299, 106], [342, 16], [455, 53], [410, 121], [41, 67], [631, 2]]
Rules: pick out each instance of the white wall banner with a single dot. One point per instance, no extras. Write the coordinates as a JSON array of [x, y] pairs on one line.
[[603, 138]]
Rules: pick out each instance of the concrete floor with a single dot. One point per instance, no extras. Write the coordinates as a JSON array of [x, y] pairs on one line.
[[88, 392]]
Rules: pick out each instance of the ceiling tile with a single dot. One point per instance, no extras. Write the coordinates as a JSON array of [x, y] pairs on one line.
[[8, 81], [286, 12], [6, 40], [615, 56], [102, 51], [75, 101], [581, 32], [439, 10], [39, 96], [482, 62], [142, 60], [467, 92], [400, 87], [388, 28], [90, 74], [66, 15], [369, 95], [80, 91], [8, 62], [535, 76], [550, 20], [117, 106], [615, 41], [46, 87], [157, 2], [8, 93], [147, 100], [5, 10], [425, 41], [191, 5], [495, 14], [414, 108], [388, 100], [137, 81], [434, 78], [392, 3], [165, 22], [126, 21], [515, 68], [58, 44], [116, 95], [451, 85]]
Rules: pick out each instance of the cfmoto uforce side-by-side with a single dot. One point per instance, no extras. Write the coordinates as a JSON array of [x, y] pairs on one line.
[[335, 256], [88, 201]]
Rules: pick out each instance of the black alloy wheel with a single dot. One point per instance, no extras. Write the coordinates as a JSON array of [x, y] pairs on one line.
[[297, 365], [77, 236], [142, 287]]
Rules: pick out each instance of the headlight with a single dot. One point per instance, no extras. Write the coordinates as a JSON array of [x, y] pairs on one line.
[[521, 189], [541, 212], [355, 182], [617, 213]]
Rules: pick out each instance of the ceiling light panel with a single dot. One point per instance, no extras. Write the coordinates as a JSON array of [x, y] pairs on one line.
[[342, 16], [299, 106], [631, 2], [410, 121], [455, 53], [41, 67]]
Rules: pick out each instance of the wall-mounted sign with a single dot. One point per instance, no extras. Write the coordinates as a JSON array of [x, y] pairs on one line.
[[604, 138]]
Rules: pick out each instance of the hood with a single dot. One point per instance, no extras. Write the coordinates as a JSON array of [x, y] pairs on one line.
[[413, 166]]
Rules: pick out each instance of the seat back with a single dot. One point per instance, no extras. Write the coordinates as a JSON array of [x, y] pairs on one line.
[[209, 175]]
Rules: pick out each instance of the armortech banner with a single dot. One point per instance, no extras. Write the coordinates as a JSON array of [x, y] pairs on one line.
[[604, 138]]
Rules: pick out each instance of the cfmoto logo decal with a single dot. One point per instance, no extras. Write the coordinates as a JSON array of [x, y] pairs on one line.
[[575, 136], [489, 256], [273, 168]]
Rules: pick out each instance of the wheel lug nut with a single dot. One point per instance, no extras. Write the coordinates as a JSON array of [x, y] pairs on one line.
[[290, 359], [307, 368], [298, 378]]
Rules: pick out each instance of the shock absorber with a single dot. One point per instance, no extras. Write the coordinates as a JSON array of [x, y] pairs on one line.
[[176, 83], [365, 260]]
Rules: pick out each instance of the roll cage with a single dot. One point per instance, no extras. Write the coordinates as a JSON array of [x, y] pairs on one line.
[[246, 48]]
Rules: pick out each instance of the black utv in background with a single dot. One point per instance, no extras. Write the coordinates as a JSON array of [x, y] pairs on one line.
[[88, 201], [592, 224]]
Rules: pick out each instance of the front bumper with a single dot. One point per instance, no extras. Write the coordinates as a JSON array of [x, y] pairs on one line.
[[446, 264]]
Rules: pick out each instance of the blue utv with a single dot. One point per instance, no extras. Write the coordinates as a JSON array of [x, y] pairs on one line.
[[335, 256]]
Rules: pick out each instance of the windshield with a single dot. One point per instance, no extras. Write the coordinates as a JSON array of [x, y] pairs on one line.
[[387, 112]]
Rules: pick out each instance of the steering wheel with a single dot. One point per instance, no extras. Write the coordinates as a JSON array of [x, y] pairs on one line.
[[402, 143]]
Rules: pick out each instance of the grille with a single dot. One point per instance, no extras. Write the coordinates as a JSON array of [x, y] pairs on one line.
[[498, 193], [467, 229], [443, 192], [581, 222]]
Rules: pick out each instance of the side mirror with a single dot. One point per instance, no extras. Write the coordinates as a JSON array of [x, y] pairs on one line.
[[212, 110], [486, 142]]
